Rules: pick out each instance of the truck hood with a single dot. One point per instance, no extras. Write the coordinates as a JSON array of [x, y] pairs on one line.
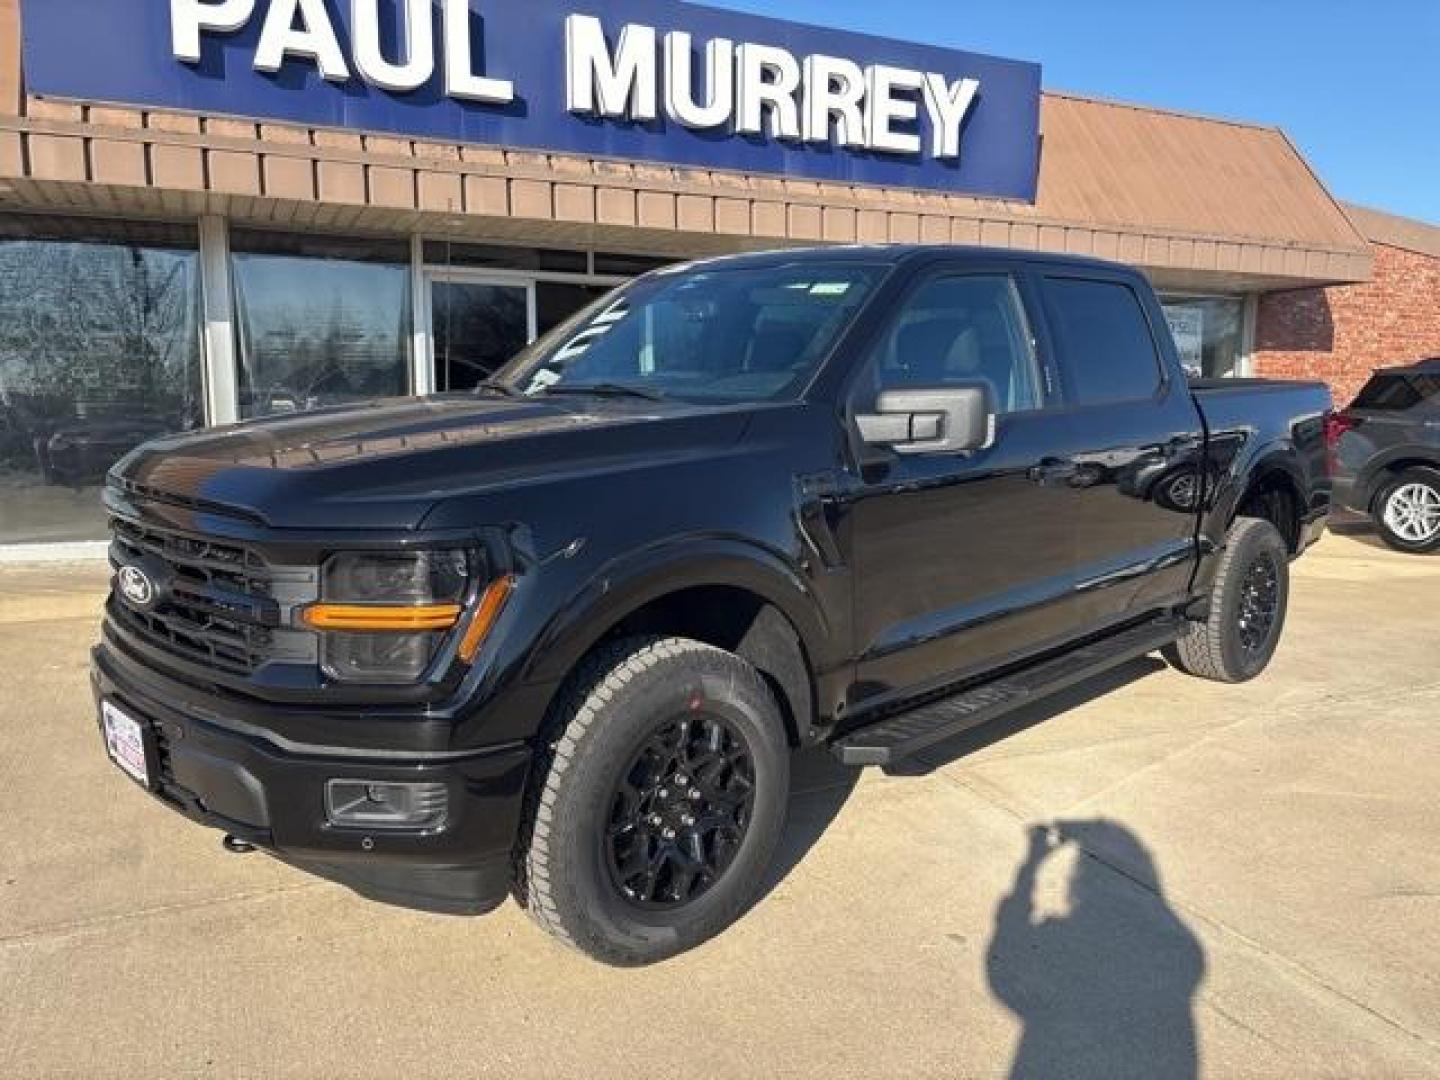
[[387, 464]]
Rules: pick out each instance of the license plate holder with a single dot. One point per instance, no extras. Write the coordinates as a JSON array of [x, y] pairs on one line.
[[130, 744]]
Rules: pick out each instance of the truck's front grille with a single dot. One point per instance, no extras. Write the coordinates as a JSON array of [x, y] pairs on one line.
[[215, 608]]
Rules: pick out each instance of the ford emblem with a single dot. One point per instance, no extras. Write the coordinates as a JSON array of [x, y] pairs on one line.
[[136, 586]]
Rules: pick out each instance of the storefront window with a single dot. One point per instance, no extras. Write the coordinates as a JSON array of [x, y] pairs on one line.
[[319, 322], [499, 257], [477, 326], [556, 301], [1209, 333], [99, 352]]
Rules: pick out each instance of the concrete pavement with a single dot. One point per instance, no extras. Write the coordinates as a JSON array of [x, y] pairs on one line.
[[1235, 881]]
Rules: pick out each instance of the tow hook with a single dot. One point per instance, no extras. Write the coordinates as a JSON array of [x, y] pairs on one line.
[[236, 846]]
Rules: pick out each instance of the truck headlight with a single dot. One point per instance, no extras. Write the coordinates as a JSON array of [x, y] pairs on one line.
[[384, 616]]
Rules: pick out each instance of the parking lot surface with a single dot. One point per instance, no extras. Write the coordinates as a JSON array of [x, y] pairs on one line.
[[1163, 877]]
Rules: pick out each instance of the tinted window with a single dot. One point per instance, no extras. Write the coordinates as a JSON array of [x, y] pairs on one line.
[[99, 352], [477, 327], [1209, 334], [1399, 392], [444, 253], [322, 324], [1104, 339], [960, 330], [628, 265]]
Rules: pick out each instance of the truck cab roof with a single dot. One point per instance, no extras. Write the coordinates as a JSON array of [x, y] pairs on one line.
[[901, 255]]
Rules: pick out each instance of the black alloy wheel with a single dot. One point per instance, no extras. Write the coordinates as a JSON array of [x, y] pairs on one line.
[[680, 812], [656, 802], [1246, 610], [1259, 604]]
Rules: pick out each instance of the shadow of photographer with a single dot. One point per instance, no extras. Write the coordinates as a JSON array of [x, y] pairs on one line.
[[1104, 988]]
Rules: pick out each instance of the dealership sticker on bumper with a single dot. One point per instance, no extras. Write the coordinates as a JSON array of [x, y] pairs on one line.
[[125, 739]]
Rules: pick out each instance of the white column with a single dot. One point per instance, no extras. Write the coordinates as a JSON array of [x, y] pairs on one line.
[[422, 350], [1246, 367], [222, 397]]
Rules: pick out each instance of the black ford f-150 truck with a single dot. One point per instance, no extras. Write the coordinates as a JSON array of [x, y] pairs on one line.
[[558, 637]]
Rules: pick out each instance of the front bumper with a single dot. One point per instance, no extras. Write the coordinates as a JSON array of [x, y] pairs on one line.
[[274, 798]]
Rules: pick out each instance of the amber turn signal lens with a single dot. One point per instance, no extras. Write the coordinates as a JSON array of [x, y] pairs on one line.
[[486, 612], [398, 619]]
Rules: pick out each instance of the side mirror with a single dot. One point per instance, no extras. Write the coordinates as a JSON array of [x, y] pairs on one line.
[[938, 421]]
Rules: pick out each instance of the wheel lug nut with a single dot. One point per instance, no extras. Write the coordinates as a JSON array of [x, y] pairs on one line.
[[681, 780], [695, 794], [654, 819], [669, 834], [664, 793], [687, 820]]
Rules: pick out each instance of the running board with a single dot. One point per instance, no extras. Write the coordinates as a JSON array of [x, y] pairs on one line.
[[907, 733]]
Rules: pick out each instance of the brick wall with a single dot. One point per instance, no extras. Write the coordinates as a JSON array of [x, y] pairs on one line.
[[1341, 334]]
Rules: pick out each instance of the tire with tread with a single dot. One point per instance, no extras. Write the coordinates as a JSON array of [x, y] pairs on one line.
[[610, 705], [1212, 649], [1429, 478]]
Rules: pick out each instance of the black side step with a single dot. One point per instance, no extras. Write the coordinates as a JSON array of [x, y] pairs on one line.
[[900, 736]]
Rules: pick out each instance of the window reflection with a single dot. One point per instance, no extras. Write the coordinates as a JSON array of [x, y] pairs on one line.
[[99, 352], [1209, 333], [476, 327], [322, 327]]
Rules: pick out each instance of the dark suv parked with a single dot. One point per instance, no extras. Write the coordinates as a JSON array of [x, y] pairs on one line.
[[1386, 450]]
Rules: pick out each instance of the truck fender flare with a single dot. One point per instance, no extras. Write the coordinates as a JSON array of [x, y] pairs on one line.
[[1277, 456], [626, 584]]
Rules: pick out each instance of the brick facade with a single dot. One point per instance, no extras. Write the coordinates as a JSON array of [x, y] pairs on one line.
[[1341, 334]]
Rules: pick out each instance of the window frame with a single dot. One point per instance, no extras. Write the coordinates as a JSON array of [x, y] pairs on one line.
[[1022, 289], [1066, 387]]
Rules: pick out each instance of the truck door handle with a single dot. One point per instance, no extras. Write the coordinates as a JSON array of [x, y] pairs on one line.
[[1054, 471]]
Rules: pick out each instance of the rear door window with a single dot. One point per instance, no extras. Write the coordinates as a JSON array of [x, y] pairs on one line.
[[1107, 350], [1399, 392]]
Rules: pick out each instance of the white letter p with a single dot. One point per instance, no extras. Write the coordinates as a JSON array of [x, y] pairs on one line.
[[189, 17]]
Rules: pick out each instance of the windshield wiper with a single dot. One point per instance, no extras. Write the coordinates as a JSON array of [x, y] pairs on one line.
[[605, 389], [498, 388]]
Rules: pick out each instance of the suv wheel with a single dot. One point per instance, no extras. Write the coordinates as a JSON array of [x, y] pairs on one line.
[[1407, 511], [1248, 601], [656, 810]]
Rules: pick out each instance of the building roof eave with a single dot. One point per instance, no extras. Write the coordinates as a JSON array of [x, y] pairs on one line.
[[112, 160]]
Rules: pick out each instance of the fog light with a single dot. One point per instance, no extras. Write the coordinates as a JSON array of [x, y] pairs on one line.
[[381, 804]]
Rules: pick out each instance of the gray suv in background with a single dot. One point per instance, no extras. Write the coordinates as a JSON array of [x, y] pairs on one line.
[[1386, 455]]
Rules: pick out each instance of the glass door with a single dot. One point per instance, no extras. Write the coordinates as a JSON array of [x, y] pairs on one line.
[[476, 325]]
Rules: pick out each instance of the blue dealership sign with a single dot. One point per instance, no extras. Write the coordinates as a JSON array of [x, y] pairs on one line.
[[640, 80]]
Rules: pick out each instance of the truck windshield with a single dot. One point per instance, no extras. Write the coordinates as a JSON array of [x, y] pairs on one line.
[[706, 333]]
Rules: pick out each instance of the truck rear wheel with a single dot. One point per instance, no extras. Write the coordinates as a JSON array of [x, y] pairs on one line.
[[657, 808], [1248, 601], [1407, 511]]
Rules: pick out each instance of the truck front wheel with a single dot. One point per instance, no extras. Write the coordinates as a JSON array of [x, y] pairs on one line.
[[656, 809], [1248, 601]]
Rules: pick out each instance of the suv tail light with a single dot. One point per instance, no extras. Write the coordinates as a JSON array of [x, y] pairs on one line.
[[1336, 425]]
